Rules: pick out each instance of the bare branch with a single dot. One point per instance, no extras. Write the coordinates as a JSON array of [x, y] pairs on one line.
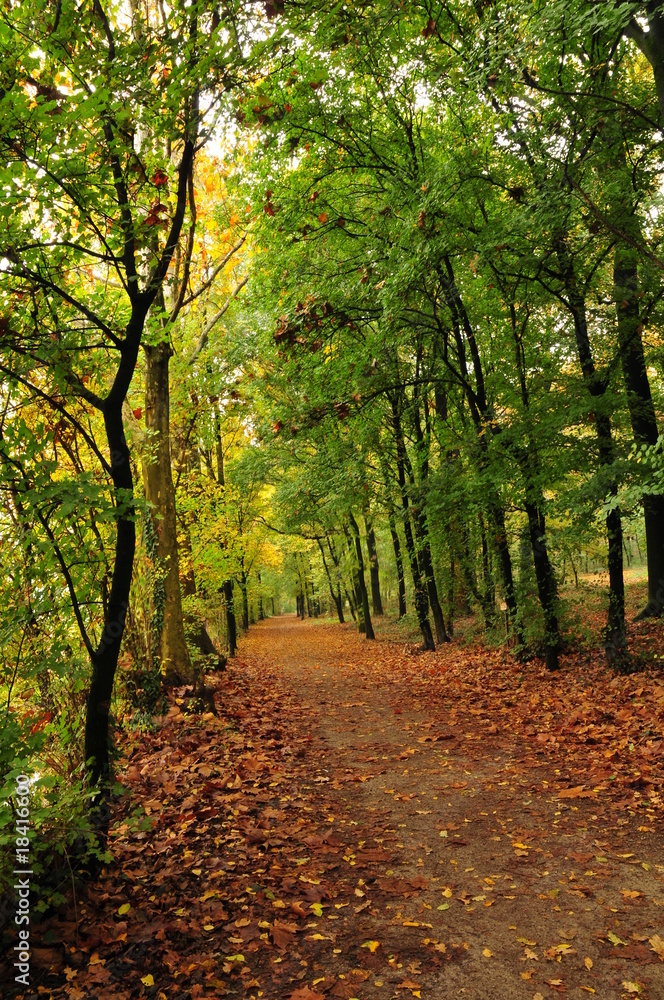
[[203, 339], [222, 263]]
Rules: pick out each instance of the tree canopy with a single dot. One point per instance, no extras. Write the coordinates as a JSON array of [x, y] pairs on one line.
[[338, 308]]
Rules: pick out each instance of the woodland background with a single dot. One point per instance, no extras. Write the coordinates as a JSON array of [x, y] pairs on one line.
[[345, 308]]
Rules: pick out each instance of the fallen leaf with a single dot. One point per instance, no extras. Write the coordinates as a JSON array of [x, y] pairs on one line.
[[306, 993], [657, 945], [373, 946], [147, 980]]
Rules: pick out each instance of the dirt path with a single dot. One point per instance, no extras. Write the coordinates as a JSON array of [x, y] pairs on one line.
[[361, 821], [519, 888]]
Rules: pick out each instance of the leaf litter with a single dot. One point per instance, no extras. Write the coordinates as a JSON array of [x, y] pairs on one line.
[[300, 841]]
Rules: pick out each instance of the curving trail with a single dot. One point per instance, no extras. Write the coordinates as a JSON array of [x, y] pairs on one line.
[[491, 884], [363, 821]]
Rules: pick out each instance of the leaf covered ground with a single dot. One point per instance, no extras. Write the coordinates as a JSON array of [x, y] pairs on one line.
[[361, 820]]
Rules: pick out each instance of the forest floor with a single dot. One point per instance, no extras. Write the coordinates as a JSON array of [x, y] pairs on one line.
[[362, 820]]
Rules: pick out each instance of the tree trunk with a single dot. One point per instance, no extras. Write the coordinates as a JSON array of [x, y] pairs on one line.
[[355, 581], [432, 590], [336, 598], [450, 590], [651, 43], [399, 562], [376, 602], [546, 584], [528, 459], [172, 648], [497, 512], [368, 627], [261, 613], [420, 522], [488, 601], [104, 658], [231, 625], [421, 600], [615, 638], [641, 409], [227, 586], [245, 599], [424, 557]]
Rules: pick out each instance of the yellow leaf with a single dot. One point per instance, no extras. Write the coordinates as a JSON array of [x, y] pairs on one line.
[[588, 962], [588, 989], [527, 974], [208, 927], [631, 987], [147, 980], [538, 996], [487, 953], [657, 946], [96, 960], [125, 908], [372, 946], [614, 939], [524, 940], [447, 892], [521, 847], [317, 909], [410, 923]]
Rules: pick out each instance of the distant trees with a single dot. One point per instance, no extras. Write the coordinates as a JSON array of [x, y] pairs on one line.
[[464, 253]]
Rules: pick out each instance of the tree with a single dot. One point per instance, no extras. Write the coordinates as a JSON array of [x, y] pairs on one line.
[[100, 129]]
